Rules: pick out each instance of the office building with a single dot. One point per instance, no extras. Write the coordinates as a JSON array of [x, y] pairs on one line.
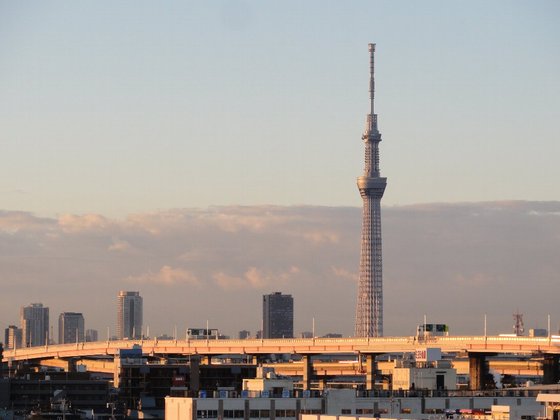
[[12, 337], [70, 327], [129, 317], [369, 308], [278, 316], [244, 334], [92, 335], [34, 325]]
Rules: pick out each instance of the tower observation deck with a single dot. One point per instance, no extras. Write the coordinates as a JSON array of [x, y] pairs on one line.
[[369, 308]]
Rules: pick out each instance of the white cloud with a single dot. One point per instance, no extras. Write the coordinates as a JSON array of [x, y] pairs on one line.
[[255, 278], [71, 223], [119, 245], [345, 274], [321, 237], [19, 221], [167, 276]]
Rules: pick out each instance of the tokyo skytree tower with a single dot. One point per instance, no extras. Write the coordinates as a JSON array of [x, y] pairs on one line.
[[369, 308]]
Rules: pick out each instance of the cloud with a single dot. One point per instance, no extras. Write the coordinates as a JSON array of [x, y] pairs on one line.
[[345, 274], [167, 276], [20, 221], [71, 223], [449, 261], [319, 237], [119, 245], [254, 278], [251, 218]]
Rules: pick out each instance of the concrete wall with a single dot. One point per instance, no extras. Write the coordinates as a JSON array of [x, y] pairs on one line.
[[424, 378], [178, 408]]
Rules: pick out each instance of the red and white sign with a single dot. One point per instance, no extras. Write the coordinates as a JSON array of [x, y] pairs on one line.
[[428, 354]]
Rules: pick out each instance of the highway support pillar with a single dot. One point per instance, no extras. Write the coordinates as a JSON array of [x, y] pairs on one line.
[[71, 366], [307, 371], [194, 374], [478, 371], [370, 371], [551, 371]]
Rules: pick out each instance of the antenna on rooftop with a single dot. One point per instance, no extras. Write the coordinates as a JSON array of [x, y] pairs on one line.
[[518, 327]]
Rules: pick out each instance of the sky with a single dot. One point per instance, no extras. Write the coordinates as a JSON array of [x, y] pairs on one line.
[[133, 106], [116, 114]]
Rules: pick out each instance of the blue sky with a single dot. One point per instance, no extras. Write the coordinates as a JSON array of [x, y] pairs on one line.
[[132, 106]]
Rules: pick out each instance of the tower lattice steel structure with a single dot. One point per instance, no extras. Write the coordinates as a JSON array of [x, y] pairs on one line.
[[369, 308]]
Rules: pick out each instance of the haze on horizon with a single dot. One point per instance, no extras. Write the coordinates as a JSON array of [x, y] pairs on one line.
[[451, 262], [207, 153]]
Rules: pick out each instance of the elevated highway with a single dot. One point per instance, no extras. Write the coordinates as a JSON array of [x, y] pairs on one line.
[[303, 346], [477, 348]]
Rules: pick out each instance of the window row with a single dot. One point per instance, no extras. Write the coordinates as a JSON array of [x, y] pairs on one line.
[[255, 414]]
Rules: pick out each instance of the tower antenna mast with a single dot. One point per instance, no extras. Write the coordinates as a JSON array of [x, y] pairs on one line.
[[372, 78], [369, 308]]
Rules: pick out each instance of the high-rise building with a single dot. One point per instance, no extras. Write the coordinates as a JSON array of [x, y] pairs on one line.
[[129, 317], [70, 327], [12, 337], [369, 308], [34, 321], [278, 316], [244, 334], [92, 335]]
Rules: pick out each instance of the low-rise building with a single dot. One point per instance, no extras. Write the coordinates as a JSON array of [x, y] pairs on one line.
[[440, 376], [348, 402]]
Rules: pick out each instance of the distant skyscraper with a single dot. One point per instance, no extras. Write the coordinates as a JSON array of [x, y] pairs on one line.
[[278, 316], [129, 318], [369, 308], [13, 337], [34, 324], [92, 335], [70, 327], [244, 334]]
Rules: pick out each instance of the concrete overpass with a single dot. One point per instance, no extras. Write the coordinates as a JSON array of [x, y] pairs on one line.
[[476, 347], [303, 346]]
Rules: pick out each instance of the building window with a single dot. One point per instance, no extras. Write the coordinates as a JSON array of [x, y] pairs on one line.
[[310, 411], [364, 410], [346, 411]]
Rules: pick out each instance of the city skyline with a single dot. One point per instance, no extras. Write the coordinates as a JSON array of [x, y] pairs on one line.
[[117, 176]]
